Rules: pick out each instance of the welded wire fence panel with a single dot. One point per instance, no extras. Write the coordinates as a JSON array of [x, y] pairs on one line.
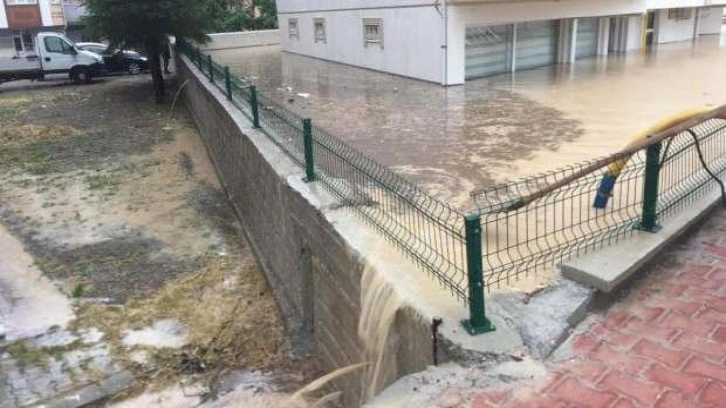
[[519, 242], [525, 241], [683, 177], [430, 232], [282, 127], [241, 96], [218, 76]]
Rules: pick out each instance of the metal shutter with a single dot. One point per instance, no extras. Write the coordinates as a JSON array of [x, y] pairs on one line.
[[536, 44], [586, 45], [488, 51]]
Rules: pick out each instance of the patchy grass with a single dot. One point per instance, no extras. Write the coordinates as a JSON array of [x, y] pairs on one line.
[[26, 356], [78, 291], [226, 312], [12, 109], [142, 264], [15, 135], [33, 159], [118, 268], [102, 182]]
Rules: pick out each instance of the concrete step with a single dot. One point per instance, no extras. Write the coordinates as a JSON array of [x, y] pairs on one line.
[[606, 268]]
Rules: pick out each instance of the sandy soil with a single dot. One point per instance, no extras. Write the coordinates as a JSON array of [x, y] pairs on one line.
[[117, 203]]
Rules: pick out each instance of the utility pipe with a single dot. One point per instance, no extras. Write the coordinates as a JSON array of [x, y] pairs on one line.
[[611, 175]]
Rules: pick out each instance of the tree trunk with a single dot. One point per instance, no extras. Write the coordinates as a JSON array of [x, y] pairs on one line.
[[153, 48]]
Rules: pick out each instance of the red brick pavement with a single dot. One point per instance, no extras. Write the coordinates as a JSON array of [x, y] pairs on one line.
[[663, 345]]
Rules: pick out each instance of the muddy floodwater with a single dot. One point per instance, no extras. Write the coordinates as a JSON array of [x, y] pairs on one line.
[[452, 140]]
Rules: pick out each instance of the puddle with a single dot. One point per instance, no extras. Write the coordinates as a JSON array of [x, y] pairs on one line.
[[167, 333]]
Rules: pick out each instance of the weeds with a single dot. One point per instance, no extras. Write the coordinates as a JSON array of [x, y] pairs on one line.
[[33, 158], [78, 291], [25, 356], [102, 182]]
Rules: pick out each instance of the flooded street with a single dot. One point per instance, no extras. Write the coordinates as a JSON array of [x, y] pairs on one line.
[[452, 140]]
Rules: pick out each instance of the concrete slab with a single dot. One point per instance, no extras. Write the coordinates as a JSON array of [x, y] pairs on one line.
[[29, 302], [607, 268], [417, 390], [92, 393], [545, 320]]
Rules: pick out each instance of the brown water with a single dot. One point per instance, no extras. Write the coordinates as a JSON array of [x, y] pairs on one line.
[[616, 98], [451, 140]]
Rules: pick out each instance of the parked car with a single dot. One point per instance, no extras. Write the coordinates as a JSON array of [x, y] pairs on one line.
[[53, 54], [118, 61]]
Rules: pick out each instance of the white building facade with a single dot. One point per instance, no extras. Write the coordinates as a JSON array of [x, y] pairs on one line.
[[450, 41], [20, 20]]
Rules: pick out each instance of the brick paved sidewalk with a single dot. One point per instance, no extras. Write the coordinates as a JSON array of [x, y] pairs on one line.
[[662, 345]]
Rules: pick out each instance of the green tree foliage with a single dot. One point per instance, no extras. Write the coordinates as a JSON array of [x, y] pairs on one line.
[[147, 23], [238, 15]]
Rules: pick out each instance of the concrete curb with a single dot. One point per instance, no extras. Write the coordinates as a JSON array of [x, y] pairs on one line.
[[609, 267], [544, 321]]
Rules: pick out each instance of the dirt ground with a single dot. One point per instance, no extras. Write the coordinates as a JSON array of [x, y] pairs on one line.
[[116, 201]]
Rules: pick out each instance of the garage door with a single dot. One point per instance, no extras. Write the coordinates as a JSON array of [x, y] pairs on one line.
[[536, 44], [488, 50], [586, 44]]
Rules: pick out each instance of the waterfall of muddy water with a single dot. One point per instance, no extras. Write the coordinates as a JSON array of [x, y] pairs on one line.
[[379, 304]]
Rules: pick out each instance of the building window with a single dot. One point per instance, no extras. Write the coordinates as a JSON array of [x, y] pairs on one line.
[[320, 35], [292, 27], [20, 2], [28, 43], [680, 14], [23, 43], [373, 31], [18, 42]]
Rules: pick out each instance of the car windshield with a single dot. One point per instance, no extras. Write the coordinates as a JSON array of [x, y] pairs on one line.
[[69, 42]]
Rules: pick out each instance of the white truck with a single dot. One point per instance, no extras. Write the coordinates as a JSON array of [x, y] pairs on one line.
[[54, 54]]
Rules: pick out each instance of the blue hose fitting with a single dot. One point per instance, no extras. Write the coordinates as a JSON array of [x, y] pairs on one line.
[[605, 190]]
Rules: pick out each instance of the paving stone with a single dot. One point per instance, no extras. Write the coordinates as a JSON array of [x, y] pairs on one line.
[[662, 345]]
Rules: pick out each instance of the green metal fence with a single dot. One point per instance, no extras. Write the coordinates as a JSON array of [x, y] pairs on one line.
[[527, 231], [520, 228], [433, 234]]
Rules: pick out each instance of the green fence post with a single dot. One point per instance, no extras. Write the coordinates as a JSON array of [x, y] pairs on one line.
[[199, 59], [255, 107], [309, 158], [477, 322], [228, 83], [211, 69], [649, 220]]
